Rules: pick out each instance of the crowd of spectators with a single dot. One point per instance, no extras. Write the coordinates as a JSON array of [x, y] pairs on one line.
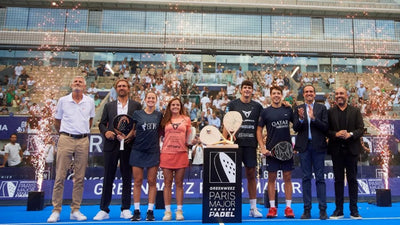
[[179, 81], [15, 91]]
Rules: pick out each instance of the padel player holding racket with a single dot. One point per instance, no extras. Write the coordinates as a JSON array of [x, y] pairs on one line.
[[246, 138], [276, 118]]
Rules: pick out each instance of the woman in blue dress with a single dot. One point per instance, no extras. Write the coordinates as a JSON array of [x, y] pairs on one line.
[[146, 153]]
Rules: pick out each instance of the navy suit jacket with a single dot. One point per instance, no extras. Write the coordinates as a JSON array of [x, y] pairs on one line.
[[354, 123], [319, 128], [106, 123]]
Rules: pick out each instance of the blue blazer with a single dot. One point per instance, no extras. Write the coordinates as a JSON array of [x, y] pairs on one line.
[[319, 128]]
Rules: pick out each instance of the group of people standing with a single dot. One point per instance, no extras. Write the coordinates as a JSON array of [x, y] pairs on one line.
[[141, 151], [343, 125]]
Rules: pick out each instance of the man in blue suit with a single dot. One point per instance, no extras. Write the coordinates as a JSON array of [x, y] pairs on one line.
[[311, 124]]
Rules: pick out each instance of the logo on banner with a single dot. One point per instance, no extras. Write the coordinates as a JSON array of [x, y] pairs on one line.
[[16, 189], [223, 168], [8, 189], [363, 188], [375, 184]]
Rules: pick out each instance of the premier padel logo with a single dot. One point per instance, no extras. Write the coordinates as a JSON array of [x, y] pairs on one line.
[[223, 168], [8, 189]]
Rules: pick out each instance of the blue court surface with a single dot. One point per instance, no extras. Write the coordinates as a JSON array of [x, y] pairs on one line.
[[371, 214]]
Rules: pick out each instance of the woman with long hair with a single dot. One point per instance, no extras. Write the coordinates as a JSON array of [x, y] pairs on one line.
[[146, 153], [176, 126]]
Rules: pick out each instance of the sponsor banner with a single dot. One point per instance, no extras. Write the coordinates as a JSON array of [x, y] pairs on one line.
[[96, 141], [193, 189], [10, 125], [388, 127], [192, 172], [222, 197]]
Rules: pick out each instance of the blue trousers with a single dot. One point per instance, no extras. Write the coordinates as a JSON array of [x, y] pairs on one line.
[[312, 160]]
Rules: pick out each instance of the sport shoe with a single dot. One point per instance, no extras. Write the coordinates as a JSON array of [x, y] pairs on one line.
[[355, 216], [150, 215], [77, 215], [306, 214], [101, 215], [179, 215], [167, 216], [337, 214], [125, 214], [54, 217], [289, 212], [255, 213], [272, 212], [323, 215], [136, 215]]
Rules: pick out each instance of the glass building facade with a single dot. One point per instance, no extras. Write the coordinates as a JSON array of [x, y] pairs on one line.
[[270, 39]]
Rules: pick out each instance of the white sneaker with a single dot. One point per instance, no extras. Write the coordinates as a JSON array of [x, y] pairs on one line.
[[167, 216], [77, 215], [101, 215], [126, 214], [255, 213], [54, 217], [179, 215]]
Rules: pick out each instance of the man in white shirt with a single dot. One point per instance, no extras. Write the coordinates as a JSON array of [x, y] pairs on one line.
[[239, 79], [18, 69], [13, 153], [73, 120], [268, 78], [204, 101], [306, 79], [230, 89], [361, 91]]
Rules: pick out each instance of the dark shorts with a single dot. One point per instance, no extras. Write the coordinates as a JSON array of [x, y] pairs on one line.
[[274, 164], [144, 159], [249, 156]]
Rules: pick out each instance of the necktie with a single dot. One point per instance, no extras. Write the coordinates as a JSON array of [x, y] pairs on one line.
[[309, 121]]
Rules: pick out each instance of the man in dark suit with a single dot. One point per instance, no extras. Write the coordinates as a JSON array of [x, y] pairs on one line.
[[346, 127], [311, 124], [112, 152]]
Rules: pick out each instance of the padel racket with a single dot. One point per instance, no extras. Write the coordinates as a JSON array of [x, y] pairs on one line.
[[123, 124], [210, 135], [282, 151], [232, 122]]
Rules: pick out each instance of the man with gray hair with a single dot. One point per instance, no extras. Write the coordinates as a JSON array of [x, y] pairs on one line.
[[74, 116]]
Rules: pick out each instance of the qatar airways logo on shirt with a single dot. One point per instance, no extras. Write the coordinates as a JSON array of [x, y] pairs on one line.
[[280, 124]]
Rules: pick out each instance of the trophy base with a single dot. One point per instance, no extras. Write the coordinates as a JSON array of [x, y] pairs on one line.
[[222, 146]]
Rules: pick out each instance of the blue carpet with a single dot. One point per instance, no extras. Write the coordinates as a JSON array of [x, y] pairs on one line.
[[193, 212]]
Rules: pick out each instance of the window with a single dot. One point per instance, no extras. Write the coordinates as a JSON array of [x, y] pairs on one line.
[[46, 19], [17, 18], [94, 21], [123, 21], [338, 28], [317, 27]]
